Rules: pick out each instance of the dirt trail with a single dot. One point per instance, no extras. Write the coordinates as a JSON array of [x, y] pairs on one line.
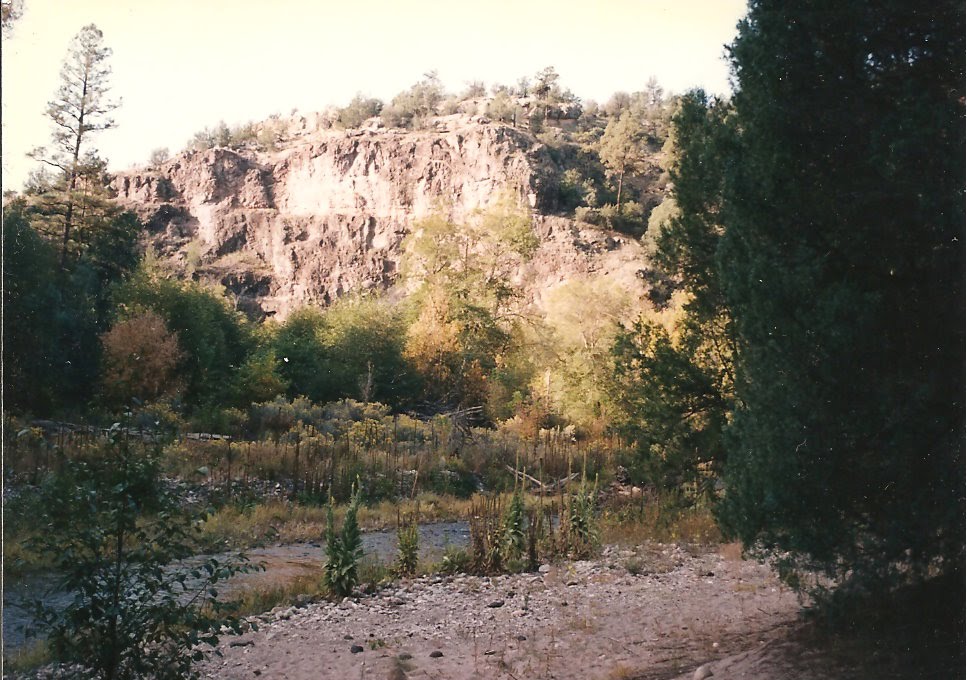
[[657, 612]]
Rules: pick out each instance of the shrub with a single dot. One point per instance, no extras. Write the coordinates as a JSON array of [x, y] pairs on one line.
[[137, 606], [358, 111], [140, 357], [159, 156], [455, 561], [502, 108]]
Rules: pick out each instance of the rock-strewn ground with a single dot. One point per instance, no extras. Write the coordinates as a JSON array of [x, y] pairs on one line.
[[672, 613]]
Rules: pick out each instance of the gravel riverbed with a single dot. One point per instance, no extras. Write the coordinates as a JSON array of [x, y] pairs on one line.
[[655, 611]]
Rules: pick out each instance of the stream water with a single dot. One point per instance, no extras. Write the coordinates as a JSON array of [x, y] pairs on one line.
[[282, 563]]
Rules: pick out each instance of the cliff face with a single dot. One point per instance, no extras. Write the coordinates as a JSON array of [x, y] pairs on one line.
[[328, 214]]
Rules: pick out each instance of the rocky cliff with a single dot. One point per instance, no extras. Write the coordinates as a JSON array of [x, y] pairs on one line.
[[328, 213]]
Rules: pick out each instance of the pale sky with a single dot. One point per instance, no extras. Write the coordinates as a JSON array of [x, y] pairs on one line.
[[181, 65]]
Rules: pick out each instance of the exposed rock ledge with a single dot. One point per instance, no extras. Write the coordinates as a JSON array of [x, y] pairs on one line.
[[328, 214]]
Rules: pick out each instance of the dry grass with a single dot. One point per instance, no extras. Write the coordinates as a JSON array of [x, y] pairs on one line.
[[635, 524], [281, 521], [731, 551], [28, 658], [622, 672], [257, 600]]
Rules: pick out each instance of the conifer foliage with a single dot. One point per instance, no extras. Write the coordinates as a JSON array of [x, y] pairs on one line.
[[81, 106], [839, 257]]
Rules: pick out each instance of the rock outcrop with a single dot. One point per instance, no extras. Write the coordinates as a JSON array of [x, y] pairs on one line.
[[328, 213]]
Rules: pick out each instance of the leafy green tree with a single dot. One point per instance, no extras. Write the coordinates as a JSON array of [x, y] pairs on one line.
[[364, 341], [467, 306], [546, 88], [298, 344], [53, 317], [222, 134], [584, 316], [214, 339], [411, 107], [30, 302], [259, 378], [622, 147], [675, 405], [502, 108], [80, 107], [137, 606]]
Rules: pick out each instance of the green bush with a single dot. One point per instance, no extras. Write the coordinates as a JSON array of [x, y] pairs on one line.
[[138, 605], [630, 219], [358, 111]]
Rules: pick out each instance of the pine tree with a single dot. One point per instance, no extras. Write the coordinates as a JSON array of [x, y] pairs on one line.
[[622, 147], [80, 107]]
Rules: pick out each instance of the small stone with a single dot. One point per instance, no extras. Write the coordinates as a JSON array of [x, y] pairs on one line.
[[510, 594], [258, 672], [347, 636], [572, 582], [496, 603], [355, 649], [490, 652], [521, 638], [404, 656], [436, 654], [702, 672], [544, 568]]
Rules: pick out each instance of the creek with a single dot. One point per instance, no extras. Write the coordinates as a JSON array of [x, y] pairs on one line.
[[282, 563]]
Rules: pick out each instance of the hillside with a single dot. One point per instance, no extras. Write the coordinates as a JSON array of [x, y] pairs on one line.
[[326, 213]]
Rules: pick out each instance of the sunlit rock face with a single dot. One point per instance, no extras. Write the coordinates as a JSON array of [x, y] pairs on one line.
[[328, 213]]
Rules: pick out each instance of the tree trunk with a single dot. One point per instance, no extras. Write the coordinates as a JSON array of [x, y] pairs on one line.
[[72, 180]]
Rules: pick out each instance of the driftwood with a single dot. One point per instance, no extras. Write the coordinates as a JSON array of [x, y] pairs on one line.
[[56, 428], [53, 427], [206, 436], [549, 487]]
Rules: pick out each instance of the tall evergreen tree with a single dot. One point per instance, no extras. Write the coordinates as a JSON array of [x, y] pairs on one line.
[[79, 108], [842, 263], [675, 390]]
